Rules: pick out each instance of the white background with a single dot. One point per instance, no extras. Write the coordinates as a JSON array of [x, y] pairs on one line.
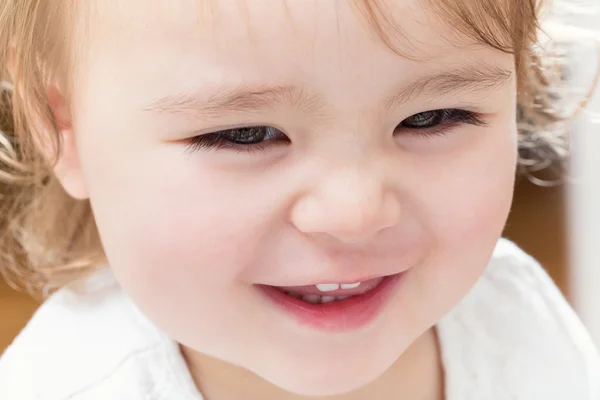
[[584, 191]]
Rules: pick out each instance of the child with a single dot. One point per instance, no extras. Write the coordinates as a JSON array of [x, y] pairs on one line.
[[277, 200]]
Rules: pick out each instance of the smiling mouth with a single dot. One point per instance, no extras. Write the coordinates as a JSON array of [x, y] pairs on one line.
[[323, 293], [334, 307]]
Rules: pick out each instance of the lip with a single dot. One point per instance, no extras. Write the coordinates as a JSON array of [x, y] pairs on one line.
[[338, 316]]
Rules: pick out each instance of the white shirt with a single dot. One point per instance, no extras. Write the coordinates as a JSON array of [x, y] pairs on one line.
[[512, 337]]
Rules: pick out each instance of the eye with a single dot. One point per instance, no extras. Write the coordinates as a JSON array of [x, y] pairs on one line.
[[437, 121], [422, 120], [248, 138]]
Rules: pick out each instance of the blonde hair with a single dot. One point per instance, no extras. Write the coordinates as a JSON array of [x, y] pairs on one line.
[[50, 239]]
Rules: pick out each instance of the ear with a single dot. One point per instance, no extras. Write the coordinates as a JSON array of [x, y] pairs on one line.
[[67, 167]]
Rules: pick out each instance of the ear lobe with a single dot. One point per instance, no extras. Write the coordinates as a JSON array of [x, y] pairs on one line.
[[67, 167]]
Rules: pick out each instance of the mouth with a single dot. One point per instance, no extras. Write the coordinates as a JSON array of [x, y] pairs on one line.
[[334, 307]]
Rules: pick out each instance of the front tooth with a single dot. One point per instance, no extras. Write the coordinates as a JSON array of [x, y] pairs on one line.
[[350, 285], [327, 287], [327, 299], [341, 297], [312, 298]]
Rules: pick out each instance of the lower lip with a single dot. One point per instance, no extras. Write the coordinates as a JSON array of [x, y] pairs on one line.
[[338, 316]]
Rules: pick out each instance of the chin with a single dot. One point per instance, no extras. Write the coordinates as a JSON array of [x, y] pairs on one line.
[[322, 378], [318, 386]]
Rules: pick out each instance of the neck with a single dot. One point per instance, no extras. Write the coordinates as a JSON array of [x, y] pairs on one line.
[[417, 373]]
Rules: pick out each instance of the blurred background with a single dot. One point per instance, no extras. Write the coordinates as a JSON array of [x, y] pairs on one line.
[[558, 225]]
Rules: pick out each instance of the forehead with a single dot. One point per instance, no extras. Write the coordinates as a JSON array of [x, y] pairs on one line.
[[238, 27], [182, 45]]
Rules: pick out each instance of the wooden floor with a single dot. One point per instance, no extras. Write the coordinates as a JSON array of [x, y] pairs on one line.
[[536, 224]]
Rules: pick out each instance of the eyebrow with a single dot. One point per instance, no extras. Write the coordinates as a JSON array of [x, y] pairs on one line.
[[243, 98], [248, 98], [478, 78]]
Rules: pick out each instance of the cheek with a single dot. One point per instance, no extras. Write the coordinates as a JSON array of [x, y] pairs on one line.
[[465, 208], [170, 225], [467, 192], [177, 237], [473, 204]]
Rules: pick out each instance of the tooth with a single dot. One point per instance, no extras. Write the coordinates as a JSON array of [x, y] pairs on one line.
[[327, 287], [312, 298], [350, 285], [327, 299], [341, 297]]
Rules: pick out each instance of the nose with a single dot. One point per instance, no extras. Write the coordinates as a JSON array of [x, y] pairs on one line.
[[351, 205]]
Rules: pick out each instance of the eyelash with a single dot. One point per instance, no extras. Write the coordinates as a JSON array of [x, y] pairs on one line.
[[448, 118]]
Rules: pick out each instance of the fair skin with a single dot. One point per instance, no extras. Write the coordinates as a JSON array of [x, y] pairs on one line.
[[343, 190]]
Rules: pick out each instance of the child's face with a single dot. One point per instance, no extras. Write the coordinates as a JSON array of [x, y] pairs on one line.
[[344, 187]]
